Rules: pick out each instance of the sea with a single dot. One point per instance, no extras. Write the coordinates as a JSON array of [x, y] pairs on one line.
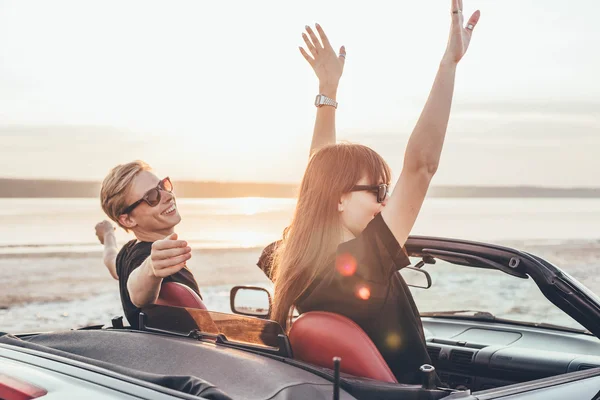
[[52, 276]]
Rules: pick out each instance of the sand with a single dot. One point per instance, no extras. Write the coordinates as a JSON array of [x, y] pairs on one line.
[[41, 292]]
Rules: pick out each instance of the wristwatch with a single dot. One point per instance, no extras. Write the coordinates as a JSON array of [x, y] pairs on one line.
[[322, 100]]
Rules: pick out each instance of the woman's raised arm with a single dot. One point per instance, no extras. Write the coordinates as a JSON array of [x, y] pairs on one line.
[[328, 67], [425, 144]]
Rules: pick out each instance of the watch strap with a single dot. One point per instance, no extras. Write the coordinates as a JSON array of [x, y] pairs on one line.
[[322, 100]]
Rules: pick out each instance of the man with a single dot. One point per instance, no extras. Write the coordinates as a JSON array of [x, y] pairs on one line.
[[140, 202], [127, 184]]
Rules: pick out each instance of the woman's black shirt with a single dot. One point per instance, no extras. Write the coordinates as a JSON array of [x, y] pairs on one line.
[[364, 285]]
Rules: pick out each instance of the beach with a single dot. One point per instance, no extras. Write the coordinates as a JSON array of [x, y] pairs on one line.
[[65, 290], [52, 275]]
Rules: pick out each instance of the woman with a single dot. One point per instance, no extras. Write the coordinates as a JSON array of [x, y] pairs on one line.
[[345, 243]]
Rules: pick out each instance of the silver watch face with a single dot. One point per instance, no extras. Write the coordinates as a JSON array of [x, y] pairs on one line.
[[322, 100], [319, 100]]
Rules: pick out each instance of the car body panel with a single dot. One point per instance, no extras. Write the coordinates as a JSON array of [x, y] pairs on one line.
[[133, 353], [64, 381]]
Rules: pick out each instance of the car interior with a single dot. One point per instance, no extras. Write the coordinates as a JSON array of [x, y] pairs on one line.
[[470, 350]]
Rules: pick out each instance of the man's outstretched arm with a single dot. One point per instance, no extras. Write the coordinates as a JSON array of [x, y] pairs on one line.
[[168, 257], [106, 235]]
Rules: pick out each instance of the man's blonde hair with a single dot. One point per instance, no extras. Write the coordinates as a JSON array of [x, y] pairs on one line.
[[116, 186]]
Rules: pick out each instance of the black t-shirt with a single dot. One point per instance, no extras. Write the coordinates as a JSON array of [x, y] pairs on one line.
[[366, 287], [131, 256]]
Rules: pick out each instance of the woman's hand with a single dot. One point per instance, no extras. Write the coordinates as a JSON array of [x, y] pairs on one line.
[[328, 65], [460, 35]]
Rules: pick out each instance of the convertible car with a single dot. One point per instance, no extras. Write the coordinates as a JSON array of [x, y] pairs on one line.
[[483, 344]]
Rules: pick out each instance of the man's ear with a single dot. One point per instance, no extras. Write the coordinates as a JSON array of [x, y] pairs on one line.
[[127, 221]]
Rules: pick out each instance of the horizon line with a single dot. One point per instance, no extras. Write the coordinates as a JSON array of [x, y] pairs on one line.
[[275, 183]]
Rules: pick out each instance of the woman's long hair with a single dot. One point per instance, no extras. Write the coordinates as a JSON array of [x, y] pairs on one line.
[[311, 240]]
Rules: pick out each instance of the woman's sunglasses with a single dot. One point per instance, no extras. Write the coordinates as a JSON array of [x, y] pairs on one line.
[[152, 196], [380, 190]]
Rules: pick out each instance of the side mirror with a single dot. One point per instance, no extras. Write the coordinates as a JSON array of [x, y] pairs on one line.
[[416, 277], [252, 301]]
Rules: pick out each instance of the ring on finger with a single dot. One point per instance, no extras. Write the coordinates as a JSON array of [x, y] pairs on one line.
[[456, 11], [470, 27], [342, 55]]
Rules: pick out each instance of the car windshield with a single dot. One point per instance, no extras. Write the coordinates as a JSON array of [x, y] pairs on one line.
[[459, 291]]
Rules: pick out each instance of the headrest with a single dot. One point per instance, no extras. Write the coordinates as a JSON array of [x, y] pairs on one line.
[[178, 295], [316, 337]]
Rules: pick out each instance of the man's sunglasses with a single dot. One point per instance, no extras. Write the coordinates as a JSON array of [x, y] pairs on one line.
[[152, 196], [380, 190]]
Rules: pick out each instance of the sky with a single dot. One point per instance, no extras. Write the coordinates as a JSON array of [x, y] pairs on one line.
[[219, 91]]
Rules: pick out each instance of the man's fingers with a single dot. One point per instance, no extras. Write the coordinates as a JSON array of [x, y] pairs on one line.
[[323, 36], [170, 262], [168, 244], [309, 45], [306, 56], [163, 273], [172, 236], [169, 253]]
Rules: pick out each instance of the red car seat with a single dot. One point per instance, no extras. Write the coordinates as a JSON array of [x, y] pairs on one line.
[[317, 336]]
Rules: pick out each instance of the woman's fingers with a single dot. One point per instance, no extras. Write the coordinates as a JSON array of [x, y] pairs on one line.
[[309, 45], [314, 39], [456, 11], [323, 36], [342, 55], [306, 56], [473, 21]]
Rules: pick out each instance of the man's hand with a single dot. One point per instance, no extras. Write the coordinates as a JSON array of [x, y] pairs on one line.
[[328, 65], [169, 255], [102, 228]]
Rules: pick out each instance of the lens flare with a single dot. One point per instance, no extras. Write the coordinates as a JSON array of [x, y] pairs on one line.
[[345, 264], [363, 292], [393, 341]]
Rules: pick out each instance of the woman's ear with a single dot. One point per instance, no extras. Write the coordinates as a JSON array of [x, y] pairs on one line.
[[343, 201], [127, 221]]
